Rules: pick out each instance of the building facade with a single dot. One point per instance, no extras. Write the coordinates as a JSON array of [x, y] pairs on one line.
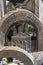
[[21, 31]]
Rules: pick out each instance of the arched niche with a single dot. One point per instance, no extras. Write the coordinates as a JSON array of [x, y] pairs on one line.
[[19, 16], [23, 35], [18, 53]]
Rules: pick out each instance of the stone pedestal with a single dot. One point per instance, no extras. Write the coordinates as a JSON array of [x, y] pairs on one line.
[[22, 41]]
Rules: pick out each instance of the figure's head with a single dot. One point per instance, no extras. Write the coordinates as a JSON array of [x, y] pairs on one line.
[[4, 59], [20, 28]]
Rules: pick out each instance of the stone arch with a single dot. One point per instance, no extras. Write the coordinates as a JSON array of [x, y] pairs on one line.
[[22, 15], [18, 53]]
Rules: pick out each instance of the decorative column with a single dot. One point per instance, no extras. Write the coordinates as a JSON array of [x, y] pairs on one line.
[[0, 10], [2, 7], [1, 40], [37, 8], [33, 6], [41, 11]]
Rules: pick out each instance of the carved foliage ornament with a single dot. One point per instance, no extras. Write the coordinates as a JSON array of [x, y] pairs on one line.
[[19, 2]]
